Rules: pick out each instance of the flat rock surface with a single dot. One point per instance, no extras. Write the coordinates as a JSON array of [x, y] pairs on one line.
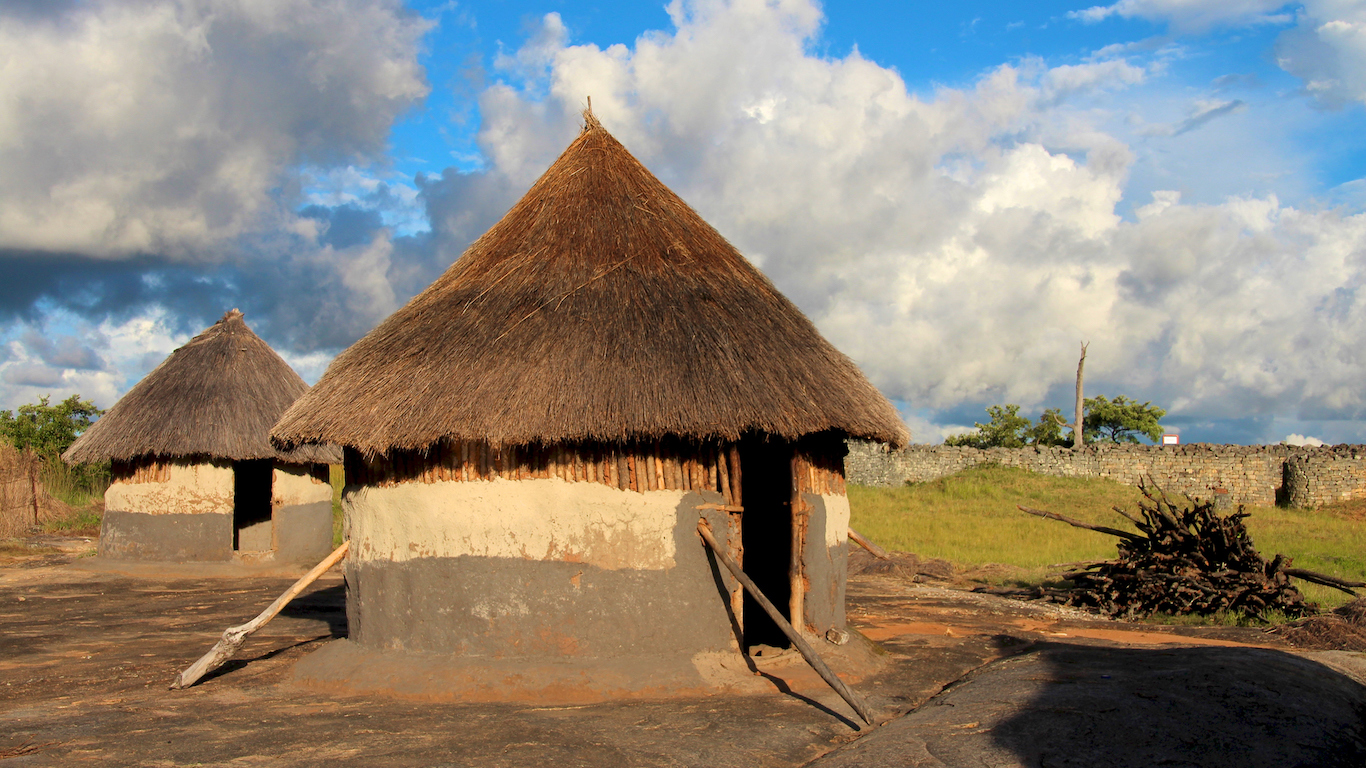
[[87, 651]]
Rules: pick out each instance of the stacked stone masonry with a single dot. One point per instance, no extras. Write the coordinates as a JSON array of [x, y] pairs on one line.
[[1260, 475]]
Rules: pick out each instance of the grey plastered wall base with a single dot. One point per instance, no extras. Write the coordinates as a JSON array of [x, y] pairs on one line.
[[303, 532], [514, 607], [204, 537], [255, 537], [825, 568]]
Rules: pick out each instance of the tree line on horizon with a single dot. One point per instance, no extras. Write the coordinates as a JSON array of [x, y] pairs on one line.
[[1111, 421]]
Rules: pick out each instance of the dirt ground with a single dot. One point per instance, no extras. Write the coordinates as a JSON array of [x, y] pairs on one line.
[[87, 651]]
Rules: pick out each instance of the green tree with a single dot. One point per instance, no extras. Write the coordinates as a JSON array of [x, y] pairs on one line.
[[1122, 420], [46, 429], [1003, 431], [1048, 430]]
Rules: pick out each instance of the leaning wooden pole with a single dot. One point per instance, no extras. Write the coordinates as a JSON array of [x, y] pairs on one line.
[[1079, 524], [872, 548], [804, 647], [233, 637]]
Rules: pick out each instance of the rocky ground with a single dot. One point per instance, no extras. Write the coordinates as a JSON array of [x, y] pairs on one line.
[[87, 651]]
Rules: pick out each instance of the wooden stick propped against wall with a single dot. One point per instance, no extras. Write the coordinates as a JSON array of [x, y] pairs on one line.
[[233, 637], [808, 653], [872, 548]]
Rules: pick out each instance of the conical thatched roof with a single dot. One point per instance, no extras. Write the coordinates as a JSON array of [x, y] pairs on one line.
[[601, 307], [217, 397]]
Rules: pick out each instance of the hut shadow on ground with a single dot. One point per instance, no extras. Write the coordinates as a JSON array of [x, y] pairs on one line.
[[1206, 706], [327, 605], [1066, 705]]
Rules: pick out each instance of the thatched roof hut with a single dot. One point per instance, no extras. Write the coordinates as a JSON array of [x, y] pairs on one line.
[[217, 396], [601, 307], [195, 476], [531, 440]]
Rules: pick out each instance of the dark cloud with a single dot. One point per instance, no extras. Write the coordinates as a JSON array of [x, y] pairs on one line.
[[1207, 114], [36, 10], [346, 225], [99, 289], [32, 376], [462, 206], [63, 352], [1243, 431]]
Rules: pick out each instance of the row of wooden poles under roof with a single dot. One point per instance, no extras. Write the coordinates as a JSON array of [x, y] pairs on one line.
[[643, 467], [151, 469]]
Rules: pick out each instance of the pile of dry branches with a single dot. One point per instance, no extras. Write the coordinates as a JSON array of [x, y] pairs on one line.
[[1186, 560]]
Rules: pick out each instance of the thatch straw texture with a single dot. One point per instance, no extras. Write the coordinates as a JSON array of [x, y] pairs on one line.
[[217, 397], [601, 307]]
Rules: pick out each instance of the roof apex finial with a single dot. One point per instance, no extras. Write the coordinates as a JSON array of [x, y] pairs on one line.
[[590, 122]]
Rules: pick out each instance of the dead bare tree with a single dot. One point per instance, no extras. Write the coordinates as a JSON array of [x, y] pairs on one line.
[[1077, 426]]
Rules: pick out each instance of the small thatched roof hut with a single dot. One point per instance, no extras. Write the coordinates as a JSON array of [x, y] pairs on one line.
[[600, 334], [217, 396], [195, 476]]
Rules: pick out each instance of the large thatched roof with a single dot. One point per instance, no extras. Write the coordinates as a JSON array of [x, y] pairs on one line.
[[217, 396], [601, 307]]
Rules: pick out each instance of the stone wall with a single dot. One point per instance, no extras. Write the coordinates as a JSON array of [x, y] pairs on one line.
[[1251, 474]]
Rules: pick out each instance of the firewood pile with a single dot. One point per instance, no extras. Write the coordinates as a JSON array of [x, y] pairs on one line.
[[1185, 559]]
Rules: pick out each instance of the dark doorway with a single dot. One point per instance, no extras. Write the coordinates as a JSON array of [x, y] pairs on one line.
[[251, 486], [766, 533]]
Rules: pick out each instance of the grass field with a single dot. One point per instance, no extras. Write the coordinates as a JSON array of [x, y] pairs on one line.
[[970, 519]]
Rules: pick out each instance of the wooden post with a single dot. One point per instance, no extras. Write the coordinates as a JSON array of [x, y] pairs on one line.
[[807, 652], [736, 489], [735, 547], [800, 519], [33, 485], [233, 637]]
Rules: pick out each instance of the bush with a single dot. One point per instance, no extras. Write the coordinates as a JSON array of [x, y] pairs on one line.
[[48, 430]]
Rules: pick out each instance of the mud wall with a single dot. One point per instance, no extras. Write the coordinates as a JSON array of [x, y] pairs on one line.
[[1261, 475], [301, 514], [187, 489], [532, 568], [181, 512]]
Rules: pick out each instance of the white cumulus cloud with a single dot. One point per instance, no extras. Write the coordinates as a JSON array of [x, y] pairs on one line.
[[958, 244], [165, 126]]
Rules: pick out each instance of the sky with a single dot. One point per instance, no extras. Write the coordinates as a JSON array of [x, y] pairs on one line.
[[956, 194]]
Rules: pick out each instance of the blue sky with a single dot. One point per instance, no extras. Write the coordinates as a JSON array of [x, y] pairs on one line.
[[931, 45], [957, 194]]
